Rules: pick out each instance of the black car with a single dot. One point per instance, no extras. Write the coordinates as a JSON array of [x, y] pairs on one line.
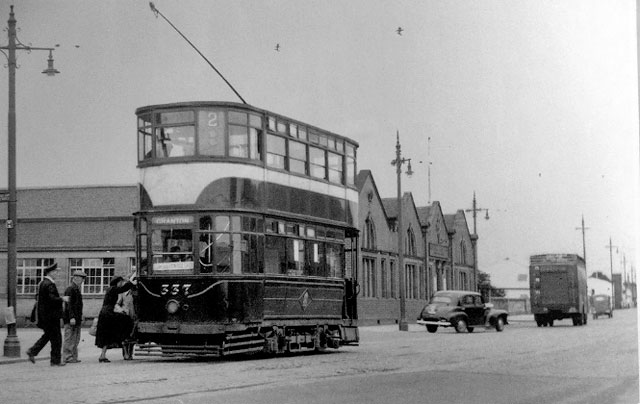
[[462, 310]]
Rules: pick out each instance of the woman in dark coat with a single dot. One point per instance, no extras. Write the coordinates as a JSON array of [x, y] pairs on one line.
[[113, 328]]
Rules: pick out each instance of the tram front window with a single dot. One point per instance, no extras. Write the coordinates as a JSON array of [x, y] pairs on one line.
[[172, 251], [175, 141]]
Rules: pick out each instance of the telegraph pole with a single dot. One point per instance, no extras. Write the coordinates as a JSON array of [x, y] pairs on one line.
[[584, 248], [611, 246]]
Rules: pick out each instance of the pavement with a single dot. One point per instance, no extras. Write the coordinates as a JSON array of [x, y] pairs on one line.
[[29, 335], [87, 351]]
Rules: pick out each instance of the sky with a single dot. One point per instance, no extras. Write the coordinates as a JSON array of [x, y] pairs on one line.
[[531, 104]]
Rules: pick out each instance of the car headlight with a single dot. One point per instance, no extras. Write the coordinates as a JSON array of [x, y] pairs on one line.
[[173, 306]]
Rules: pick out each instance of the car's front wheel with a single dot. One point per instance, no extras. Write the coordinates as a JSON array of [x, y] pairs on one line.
[[461, 325], [499, 324], [432, 328]]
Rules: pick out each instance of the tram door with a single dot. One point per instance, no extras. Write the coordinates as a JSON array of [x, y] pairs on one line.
[[351, 299]]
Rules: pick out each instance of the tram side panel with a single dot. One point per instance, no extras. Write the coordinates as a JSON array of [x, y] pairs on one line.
[[225, 302]]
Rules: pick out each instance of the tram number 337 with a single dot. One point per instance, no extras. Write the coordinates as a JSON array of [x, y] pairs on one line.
[[175, 289]]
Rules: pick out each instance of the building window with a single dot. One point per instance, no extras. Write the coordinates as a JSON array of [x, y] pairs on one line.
[[410, 281], [463, 281], [393, 279], [410, 243], [30, 274], [369, 234], [463, 253], [423, 284], [384, 283], [368, 278], [99, 273]]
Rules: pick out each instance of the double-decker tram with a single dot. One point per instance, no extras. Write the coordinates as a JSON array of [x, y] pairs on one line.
[[246, 232]]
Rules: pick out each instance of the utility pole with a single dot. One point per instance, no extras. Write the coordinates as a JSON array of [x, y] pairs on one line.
[[611, 246], [584, 248], [429, 168]]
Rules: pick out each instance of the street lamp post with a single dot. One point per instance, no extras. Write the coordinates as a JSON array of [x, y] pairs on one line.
[[398, 162], [610, 247], [474, 238], [12, 343]]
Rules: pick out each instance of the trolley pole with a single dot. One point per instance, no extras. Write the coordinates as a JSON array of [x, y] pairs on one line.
[[398, 162], [12, 343]]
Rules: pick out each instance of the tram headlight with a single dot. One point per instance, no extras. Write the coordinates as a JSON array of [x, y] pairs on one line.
[[173, 306]]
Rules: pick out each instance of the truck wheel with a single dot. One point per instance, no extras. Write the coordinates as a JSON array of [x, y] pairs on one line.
[[499, 324], [461, 325], [539, 323], [550, 323], [432, 328], [574, 320]]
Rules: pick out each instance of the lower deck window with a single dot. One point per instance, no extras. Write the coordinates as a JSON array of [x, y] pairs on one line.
[[172, 250]]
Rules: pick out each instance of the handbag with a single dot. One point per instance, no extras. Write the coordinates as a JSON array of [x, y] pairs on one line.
[[93, 330]]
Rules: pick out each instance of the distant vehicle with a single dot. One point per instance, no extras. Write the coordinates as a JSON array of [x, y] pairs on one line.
[[601, 306], [558, 285], [462, 310]]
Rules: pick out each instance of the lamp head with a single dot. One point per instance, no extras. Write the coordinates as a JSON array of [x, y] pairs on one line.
[[486, 217], [50, 70], [409, 170]]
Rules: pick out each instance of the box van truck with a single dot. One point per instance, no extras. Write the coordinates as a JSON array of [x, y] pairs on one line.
[[558, 284]]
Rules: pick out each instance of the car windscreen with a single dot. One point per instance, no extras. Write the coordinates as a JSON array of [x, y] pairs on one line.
[[441, 300]]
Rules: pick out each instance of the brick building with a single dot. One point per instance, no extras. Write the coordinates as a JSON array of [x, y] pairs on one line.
[[438, 253]]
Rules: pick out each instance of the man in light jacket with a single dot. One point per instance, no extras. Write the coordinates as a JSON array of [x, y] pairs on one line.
[[72, 318]]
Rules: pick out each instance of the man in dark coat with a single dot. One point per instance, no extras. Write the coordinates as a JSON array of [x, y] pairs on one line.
[[49, 314], [72, 318]]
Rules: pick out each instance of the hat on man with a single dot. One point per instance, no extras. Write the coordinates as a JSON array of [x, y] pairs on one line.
[[51, 267], [79, 272]]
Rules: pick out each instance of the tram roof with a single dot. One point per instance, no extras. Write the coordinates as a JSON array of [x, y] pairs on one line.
[[229, 104]]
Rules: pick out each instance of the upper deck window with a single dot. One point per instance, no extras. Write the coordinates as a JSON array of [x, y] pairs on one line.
[[317, 163], [245, 135], [350, 177], [297, 157], [145, 137], [276, 151], [238, 133], [175, 141], [335, 167]]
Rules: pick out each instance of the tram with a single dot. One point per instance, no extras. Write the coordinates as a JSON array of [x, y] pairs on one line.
[[245, 234]]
